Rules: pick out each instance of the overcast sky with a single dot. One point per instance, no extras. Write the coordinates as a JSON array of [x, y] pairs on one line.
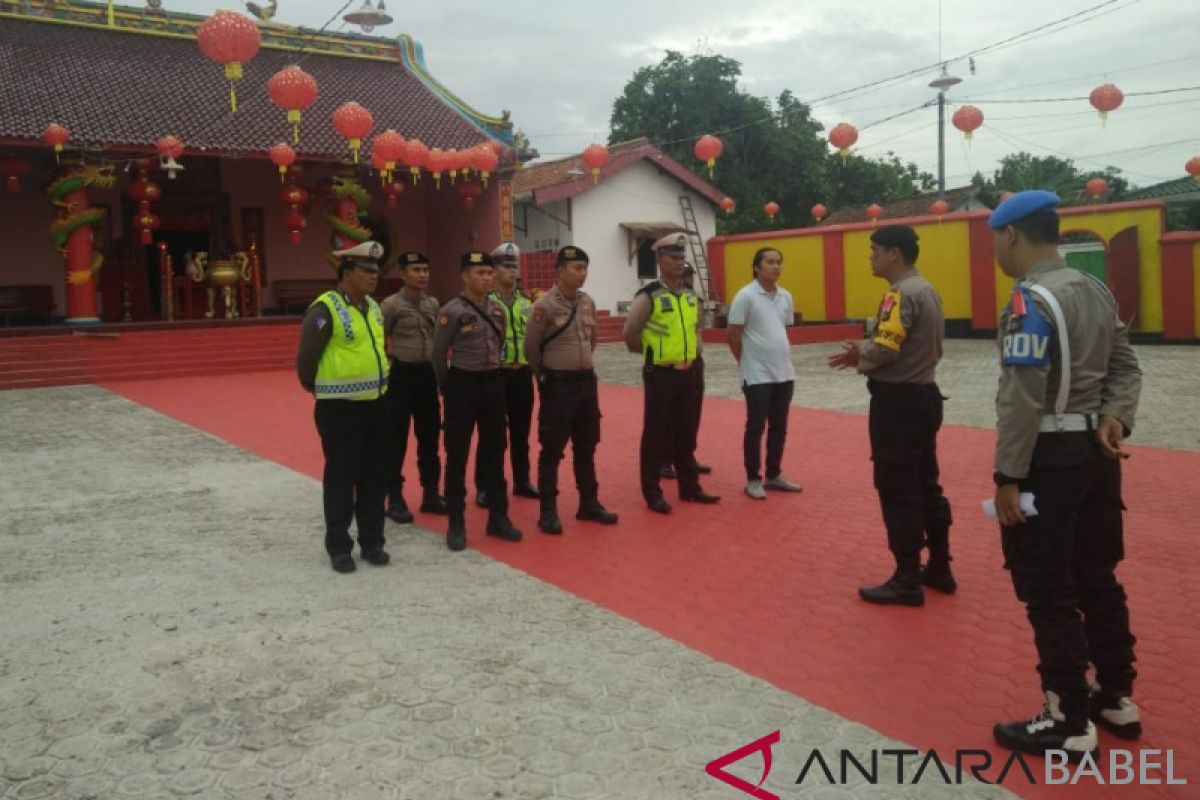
[[559, 64]]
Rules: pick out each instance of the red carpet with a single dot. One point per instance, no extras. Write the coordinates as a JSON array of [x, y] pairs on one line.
[[770, 586]]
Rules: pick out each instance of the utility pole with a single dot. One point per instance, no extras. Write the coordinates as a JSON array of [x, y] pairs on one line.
[[942, 83]]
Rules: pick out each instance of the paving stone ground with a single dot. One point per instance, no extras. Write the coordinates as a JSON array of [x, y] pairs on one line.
[[171, 628]]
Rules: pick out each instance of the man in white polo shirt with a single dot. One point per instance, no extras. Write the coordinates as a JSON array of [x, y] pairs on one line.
[[758, 321]]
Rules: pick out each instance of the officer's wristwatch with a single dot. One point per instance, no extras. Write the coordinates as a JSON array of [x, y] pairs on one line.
[[1000, 479]]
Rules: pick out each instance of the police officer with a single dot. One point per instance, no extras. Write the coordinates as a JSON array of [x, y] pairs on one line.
[[1069, 389], [900, 362], [409, 319], [664, 327], [668, 464], [467, 349], [342, 360], [559, 344], [518, 378]]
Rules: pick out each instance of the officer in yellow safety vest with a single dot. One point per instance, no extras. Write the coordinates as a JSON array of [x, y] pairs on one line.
[[664, 327], [342, 361], [518, 378]]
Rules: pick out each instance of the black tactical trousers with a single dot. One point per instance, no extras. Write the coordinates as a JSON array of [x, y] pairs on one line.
[[413, 397], [903, 424], [669, 423], [355, 443], [569, 410], [698, 386], [475, 398], [1063, 564], [518, 406]]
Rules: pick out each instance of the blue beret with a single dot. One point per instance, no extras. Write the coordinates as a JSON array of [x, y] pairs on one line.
[[1021, 205]]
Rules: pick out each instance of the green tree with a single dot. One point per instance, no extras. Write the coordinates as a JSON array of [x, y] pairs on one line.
[[861, 181], [1020, 171], [772, 151]]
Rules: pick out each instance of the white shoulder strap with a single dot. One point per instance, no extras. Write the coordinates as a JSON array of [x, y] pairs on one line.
[[1064, 348]]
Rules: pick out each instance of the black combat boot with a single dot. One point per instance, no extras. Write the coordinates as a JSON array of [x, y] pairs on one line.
[[500, 526], [398, 510], [937, 575], [590, 509], [456, 536], [433, 503], [902, 589], [548, 521]]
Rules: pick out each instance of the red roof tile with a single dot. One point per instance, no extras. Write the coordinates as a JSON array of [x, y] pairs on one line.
[[569, 177], [120, 88]]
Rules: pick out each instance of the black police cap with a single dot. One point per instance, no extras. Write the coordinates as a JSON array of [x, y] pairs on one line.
[[474, 258], [410, 257]]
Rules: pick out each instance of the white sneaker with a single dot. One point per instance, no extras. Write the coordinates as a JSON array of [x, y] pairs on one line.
[[754, 489], [783, 484]]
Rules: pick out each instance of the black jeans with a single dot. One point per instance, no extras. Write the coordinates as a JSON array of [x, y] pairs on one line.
[[569, 410], [475, 398], [413, 397], [767, 406], [669, 423], [903, 424], [1063, 564], [355, 443], [518, 406]]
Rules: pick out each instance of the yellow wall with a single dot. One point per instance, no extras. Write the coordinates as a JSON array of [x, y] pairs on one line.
[[803, 271], [945, 261], [1196, 287]]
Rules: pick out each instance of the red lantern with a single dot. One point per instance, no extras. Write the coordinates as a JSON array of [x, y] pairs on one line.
[[144, 190], [391, 148], [293, 90], [416, 156], [486, 160], [231, 39], [819, 211], [967, 119], [1106, 98], [728, 205], [771, 209], [595, 157], [1096, 187], [12, 170], [843, 136], [469, 192], [293, 195], [939, 207], [874, 211], [453, 161], [1193, 168], [392, 190], [146, 221], [169, 147], [56, 136], [708, 149], [436, 164], [353, 123], [295, 222], [283, 156]]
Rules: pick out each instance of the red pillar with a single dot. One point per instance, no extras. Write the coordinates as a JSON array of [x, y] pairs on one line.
[[1178, 286], [716, 268], [983, 276], [835, 277], [81, 286]]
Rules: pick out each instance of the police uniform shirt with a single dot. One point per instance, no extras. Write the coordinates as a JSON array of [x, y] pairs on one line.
[[574, 333], [639, 314], [907, 342], [1105, 378], [409, 321], [473, 335]]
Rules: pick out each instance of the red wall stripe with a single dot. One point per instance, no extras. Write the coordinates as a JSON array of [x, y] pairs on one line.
[[983, 276], [835, 277], [1179, 313], [716, 268]]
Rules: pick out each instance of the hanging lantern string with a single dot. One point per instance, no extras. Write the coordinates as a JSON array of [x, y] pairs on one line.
[[1084, 97]]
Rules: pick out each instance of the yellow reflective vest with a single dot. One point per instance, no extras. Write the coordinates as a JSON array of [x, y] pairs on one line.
[[354, 363], [670, 333], [516, 318]]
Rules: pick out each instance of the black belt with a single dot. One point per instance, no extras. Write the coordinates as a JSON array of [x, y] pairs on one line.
[[481, 375], [412, 366], [569, 375]]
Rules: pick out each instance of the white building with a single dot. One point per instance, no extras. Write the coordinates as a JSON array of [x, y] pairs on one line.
[[642, 194]]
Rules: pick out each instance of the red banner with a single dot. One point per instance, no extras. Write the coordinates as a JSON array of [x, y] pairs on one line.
[[506, 211]]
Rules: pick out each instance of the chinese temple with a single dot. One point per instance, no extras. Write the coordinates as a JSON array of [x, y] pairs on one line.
[[164, 166]]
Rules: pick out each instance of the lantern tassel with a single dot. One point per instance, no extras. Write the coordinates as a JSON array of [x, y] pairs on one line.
[[233, 71], [711, 163], [293, 116]]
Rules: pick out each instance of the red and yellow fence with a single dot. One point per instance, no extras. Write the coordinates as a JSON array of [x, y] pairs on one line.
[[827, 271]]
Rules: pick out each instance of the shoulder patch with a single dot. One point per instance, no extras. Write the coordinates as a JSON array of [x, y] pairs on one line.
[[890, 332], [443, 320], [1027, 335]]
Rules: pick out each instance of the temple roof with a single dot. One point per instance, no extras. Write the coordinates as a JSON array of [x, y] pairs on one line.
[[128, 84]]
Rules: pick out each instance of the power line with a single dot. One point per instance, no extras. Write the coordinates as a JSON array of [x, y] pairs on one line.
[[1075, 99]]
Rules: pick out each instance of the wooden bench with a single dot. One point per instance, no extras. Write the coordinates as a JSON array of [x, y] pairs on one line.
[[26, 301], [301, 292]]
